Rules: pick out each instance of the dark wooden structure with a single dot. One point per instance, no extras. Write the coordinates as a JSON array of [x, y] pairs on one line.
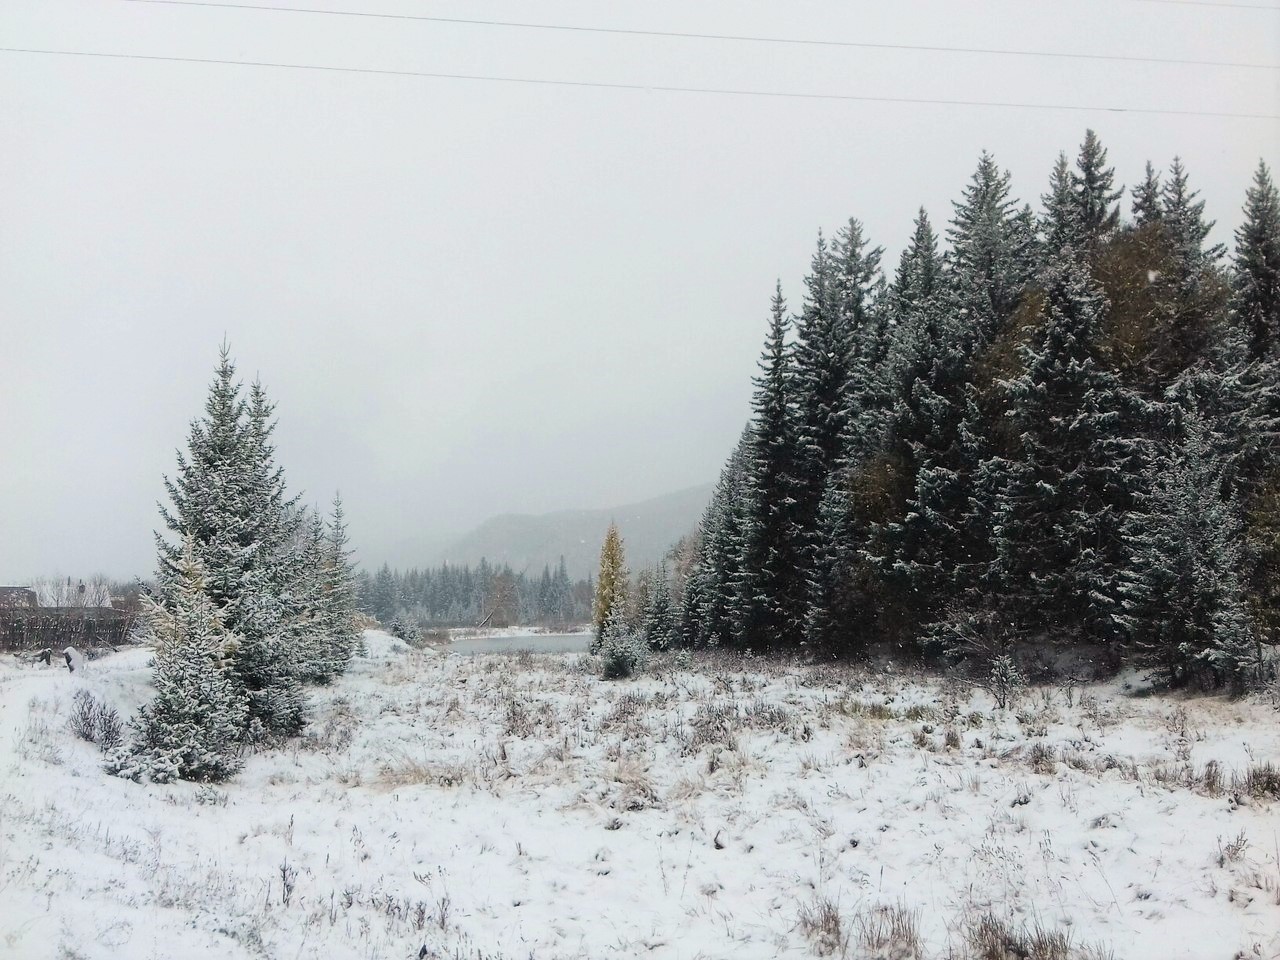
[[17, 598], [33, 628]]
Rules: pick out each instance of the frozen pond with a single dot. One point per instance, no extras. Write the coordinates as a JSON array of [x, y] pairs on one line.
[[538, 643]]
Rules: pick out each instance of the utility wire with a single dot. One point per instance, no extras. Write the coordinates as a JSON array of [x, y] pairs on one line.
[[1208, 3], [741, 38], [645, 87]]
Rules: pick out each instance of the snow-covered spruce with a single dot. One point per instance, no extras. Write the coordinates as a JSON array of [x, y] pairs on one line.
[[282, 583], [192, 728]]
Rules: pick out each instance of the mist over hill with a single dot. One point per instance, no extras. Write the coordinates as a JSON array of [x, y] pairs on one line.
[[527, 541]]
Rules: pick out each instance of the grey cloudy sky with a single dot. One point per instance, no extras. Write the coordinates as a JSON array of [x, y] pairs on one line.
[[473, 297]]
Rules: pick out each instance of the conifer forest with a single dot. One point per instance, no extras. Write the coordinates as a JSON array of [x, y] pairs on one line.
[[1051, 430]]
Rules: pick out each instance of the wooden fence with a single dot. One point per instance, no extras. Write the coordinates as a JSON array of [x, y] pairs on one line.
[[34, 628]]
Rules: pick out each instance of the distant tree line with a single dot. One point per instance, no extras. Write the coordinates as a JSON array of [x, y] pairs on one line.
[[454, 596], [1055, 428]]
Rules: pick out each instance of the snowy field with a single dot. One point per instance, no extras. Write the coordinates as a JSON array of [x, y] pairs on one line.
[[481, 807]]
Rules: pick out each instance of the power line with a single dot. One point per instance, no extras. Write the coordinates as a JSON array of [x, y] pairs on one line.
[[741, 38], [1207, 3], [641, 87]]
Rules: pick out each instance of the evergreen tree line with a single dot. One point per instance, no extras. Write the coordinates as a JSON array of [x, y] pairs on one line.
[[454, 596], [1059, 430], [255, 598]]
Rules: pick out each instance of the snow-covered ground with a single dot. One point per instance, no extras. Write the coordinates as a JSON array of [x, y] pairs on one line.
[[480, 807]]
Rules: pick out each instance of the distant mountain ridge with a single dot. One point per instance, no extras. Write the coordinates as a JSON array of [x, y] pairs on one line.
[[527, 541]]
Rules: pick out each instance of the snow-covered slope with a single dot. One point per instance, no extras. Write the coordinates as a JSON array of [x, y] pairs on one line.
[[517, 806]]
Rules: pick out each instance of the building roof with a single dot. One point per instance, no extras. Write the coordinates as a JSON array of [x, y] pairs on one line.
[[18, 597]]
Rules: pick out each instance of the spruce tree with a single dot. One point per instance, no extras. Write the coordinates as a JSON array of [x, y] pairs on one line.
[[385, 599], [1147, 207], [1095, 194], [1184, 597], [864, 305], [918, 278], [1069, 479], [1257, 268], [229, 499], [340, 595], [716, 619], [210, 494], [659, 620], [192, 728], [993, 254], [770, 596], [1182, 217], [1061, 227], [1187, 291], [918, 550], [823, 355], [1080, 210]]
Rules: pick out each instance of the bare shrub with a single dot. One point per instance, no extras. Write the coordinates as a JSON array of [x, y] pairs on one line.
[[109, 728], [766, 715], [637, 791], [1041, 758], [406, 771], [627, 709], [1233, 850], [1211, 778], [517, 721], [1261, 781], [890, 931], [83, 719], [991, 938], [821, 924], [712, 724]]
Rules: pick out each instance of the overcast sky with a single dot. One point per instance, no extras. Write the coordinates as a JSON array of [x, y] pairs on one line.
[[475, 297]]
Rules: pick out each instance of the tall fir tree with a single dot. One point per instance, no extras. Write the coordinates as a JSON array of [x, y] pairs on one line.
[[1071, 475], [710, 615], [769, 604], [862, 300], [1148, 209], [1095, 193], [993, 254], [1257, 268], [918, 278], [660, 616], [1183, 216], [340, 592], [823, 354], [229, 499], [1061, 226]]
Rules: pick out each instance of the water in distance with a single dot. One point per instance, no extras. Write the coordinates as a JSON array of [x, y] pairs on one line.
[[538, 643]]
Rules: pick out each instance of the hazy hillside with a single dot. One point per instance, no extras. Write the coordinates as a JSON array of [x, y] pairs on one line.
[[523, 540]]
